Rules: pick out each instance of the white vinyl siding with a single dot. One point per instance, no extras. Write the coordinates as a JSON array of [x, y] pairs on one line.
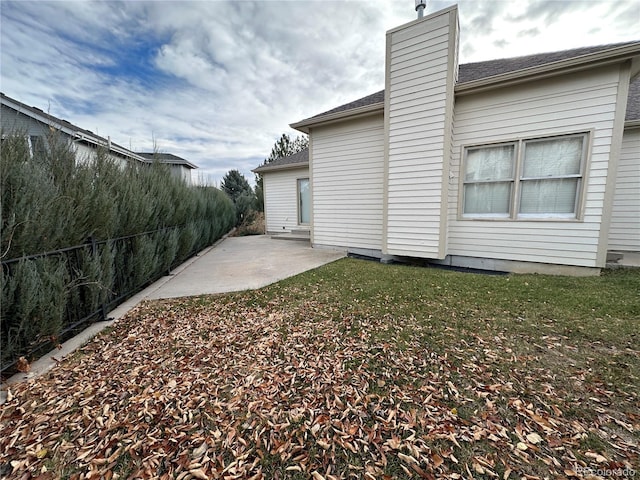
[[624, 231], [347, 163], [572, 103], [281, 199], [419, 84], [12, 121]]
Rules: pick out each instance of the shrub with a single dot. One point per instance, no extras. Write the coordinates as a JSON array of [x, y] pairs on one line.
[[51, 200]]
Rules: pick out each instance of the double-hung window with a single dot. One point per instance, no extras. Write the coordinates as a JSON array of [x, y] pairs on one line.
[[528, 178], [488, 180]]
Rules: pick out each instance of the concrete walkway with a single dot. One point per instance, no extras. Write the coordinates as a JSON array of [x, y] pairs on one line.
[[241, 263], [233, 264]]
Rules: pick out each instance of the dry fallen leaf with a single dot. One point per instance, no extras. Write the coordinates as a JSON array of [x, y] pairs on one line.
[[22, 365], [198, 473], [534, 438], [216, 387]]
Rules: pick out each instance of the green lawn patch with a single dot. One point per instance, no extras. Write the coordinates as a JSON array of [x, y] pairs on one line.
[[352, 370]]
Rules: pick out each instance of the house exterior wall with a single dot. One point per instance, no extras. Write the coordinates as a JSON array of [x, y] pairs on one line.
[[181, 172], [86, 152], [12, 121], [347, 161], [624, 231], [281, 200], [572, 103], [421, 70]]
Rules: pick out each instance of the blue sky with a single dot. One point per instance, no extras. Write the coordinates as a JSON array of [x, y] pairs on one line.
[[217, 82]]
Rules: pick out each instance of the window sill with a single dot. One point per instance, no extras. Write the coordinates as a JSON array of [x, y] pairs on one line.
[[520, 219]]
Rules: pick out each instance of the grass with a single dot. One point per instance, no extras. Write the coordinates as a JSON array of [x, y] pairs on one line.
[[357, 369]]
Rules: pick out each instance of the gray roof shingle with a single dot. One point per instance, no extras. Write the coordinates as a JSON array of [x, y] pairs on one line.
[[301, 157], [479, 70], [377, 97]]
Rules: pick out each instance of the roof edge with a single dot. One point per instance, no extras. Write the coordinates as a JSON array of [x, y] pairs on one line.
[[78, 134], [613, 55], [151, 157], [303, 125], [183, 163], [273, 168]]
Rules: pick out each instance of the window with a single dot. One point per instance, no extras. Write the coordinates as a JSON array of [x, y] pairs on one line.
[[36, 145], [304, 201], [489, 180], [530, 178]]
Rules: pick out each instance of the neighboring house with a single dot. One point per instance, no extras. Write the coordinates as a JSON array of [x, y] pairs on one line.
[[523, 164], [37, 125], [178, 166]]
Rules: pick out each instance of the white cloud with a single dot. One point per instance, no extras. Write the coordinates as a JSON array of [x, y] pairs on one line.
[[217, 82]]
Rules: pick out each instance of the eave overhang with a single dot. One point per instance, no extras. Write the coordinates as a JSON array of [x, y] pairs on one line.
[[304, 125], [274, 168]]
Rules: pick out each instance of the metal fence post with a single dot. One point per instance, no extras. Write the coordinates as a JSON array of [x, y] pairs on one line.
[[94, 254]]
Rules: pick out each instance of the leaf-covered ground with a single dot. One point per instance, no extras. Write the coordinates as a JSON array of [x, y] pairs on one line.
[[354, 370]]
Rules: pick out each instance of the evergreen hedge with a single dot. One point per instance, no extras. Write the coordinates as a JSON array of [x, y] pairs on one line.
[[51, 200]]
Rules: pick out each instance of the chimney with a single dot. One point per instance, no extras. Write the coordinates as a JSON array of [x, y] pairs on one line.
[[420, 6], [420, 73]]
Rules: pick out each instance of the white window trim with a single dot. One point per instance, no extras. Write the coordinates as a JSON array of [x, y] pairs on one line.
[[514, 201]]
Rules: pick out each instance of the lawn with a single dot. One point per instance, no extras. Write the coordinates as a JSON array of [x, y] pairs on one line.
[[352, 370]]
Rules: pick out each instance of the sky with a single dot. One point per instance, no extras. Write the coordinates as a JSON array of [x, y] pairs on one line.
[[218, 82]]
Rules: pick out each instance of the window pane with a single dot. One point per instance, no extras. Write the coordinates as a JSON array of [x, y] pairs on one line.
[[549, 158], [482, 198], [490, 163], [37, 146], [304, 202], [548, 196]]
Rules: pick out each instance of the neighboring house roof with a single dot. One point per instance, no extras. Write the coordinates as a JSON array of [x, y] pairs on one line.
[[494, 71], [67, 127], [87, 135], [300, 159], [168, 158]]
